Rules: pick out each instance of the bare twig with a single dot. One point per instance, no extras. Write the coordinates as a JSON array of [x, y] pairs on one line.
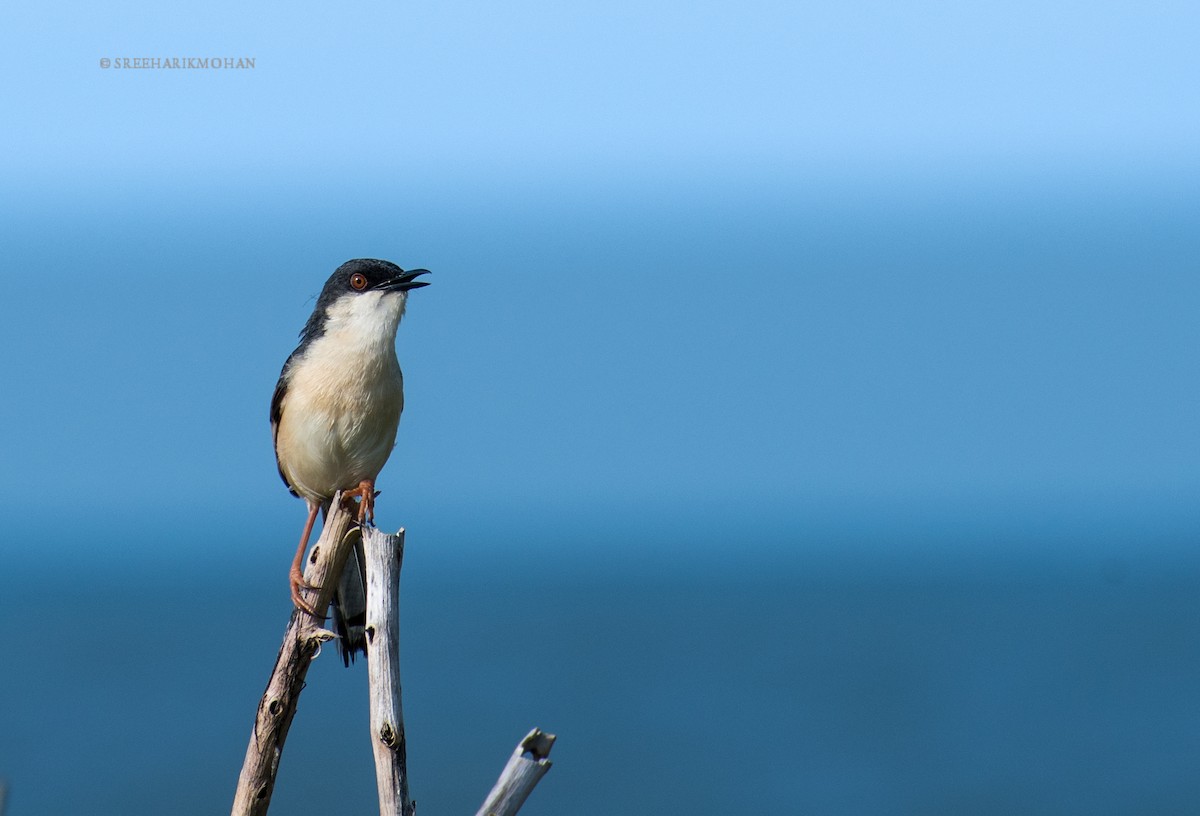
[[301, 642], [384, 555], [524, 770]]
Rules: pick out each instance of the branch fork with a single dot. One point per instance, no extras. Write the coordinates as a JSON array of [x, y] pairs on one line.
[[302, 641]]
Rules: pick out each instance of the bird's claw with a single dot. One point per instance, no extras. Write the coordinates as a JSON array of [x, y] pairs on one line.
[[366, 493], [298, 583]]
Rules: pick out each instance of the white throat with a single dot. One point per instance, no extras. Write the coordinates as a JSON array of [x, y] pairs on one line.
[[363, 325]]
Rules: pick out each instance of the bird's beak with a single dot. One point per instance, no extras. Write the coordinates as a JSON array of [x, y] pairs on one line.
[[405, 281]]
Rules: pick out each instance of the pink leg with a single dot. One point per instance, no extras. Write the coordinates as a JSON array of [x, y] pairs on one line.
[[296, 574], [366, 506]]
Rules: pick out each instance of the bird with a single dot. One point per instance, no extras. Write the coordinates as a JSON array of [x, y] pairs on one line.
[[335, 413]]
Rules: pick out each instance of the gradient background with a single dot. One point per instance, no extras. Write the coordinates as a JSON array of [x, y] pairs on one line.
[[802, 417]]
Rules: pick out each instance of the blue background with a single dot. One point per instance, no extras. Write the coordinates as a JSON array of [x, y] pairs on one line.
[[802, 417]]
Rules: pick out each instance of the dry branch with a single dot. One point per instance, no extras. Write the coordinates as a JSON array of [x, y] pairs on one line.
[[524, 770], [384, 556], [301, 642]]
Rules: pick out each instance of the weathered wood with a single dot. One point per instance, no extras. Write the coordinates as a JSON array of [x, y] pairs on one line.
[[384, 556], [524, 770], [301, 643]]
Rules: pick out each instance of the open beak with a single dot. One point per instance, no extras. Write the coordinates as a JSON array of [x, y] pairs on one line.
[[405, 281]]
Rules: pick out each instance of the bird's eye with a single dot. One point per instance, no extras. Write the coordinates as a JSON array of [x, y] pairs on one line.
[[358, 281]]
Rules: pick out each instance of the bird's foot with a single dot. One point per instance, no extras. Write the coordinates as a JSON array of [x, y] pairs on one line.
[[296, 577], [366, 494]]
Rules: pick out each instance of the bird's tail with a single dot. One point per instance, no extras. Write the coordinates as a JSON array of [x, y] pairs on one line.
[[350, 604]]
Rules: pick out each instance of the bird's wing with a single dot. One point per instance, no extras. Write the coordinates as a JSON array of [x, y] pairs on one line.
[[276, 416]]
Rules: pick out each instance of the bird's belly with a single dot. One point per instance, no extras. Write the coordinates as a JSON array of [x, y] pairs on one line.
[[336, 432]]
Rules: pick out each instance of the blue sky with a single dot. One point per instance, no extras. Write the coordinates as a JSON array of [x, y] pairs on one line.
[[701, 262], [385, 87]]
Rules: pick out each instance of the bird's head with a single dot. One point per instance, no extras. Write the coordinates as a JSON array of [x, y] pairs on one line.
[[366, 276], [364, 292]]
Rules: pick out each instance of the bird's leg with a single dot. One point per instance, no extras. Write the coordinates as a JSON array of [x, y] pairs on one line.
[[296, 574], [366, 508], [366, 504]]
